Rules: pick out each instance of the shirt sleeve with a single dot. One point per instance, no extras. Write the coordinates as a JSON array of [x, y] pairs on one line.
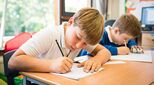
[[113, 50], [38, 44], [84, 52], [131, 43]]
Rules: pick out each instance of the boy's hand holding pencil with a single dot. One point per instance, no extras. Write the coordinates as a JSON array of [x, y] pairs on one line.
[[123, 50], [62, 64]]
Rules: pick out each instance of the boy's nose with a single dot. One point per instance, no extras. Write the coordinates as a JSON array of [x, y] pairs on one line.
[[80, 45]]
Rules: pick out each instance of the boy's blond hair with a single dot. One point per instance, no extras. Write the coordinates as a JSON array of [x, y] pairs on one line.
[[129, 24], [91, 23]]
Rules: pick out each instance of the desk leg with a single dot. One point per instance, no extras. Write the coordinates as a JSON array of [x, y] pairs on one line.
[[24, 80], [27, 79]]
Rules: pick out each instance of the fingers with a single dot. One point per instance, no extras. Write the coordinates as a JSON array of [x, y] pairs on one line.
[[123, 50], [81, 64], [92, 66], [64, 69], [140, 49], [98, 67], [66, 65], [136, 49], [69, 60], [88, 66]]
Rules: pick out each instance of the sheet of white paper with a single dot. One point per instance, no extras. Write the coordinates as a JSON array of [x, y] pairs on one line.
[[144, 57], [76, 73], [115, 62], [81, 58]]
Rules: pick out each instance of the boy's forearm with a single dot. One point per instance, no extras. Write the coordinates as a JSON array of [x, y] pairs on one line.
[[103, 55], [27, 63]]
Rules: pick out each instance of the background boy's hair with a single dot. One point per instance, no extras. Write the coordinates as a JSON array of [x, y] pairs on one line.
[[129, 24], [91, 23]]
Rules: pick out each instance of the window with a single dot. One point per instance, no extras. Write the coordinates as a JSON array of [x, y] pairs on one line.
[[25, 16], [69, 7], [2, 11]]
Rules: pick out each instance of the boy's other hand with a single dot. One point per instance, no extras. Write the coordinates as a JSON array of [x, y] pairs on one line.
[[61, 65], [137, 49], [91, 65], [123, 50]]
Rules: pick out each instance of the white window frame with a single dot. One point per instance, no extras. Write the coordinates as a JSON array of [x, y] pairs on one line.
[[2, 28]]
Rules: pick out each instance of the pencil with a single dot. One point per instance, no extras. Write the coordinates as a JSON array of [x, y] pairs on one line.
[[59, 48], [68, 53], [125, 43]]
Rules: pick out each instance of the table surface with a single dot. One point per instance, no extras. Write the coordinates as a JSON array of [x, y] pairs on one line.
[[129, 73]]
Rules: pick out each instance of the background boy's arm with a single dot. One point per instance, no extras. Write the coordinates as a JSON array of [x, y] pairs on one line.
[[134, 47], [21, 61], [113, 50], [117, 50]]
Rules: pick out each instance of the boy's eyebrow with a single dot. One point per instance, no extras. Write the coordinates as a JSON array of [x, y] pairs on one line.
[[78, 35]]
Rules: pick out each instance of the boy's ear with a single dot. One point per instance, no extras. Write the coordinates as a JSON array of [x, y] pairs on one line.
[[71, 21]]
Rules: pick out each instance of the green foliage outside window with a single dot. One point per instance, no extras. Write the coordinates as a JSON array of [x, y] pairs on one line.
[[27, 15], [1, 9]]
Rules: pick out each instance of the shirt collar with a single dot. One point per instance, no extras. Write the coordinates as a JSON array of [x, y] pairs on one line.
[[108, 28], [62, 38]]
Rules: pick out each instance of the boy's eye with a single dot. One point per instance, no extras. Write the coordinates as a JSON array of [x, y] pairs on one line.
[[78, 38]]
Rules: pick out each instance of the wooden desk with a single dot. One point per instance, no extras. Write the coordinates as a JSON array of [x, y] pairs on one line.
[[130, 73]]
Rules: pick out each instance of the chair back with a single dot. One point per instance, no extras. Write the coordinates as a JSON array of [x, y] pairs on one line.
[[109, 22], [10, 74], [17, 41]]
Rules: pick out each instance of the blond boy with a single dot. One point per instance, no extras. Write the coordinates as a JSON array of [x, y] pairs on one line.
[[42, 54]]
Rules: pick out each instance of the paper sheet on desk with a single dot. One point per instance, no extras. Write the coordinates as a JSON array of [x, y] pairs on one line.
[[144, 57], [76, 73]]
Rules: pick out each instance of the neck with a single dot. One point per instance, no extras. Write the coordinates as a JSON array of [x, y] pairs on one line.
[[65, 26]]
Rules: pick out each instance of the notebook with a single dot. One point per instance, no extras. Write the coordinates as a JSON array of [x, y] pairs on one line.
[[143, 57], [76, 73]]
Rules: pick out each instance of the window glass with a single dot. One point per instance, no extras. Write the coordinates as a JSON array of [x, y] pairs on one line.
[[75, 5], [27, 16]]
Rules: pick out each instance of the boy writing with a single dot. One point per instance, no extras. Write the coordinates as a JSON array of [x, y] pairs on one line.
[[43, 52], [118, 39]]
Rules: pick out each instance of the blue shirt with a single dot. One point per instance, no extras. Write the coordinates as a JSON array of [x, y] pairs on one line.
[[112, 47]]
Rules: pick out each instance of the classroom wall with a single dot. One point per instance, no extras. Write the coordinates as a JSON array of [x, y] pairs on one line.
[[115, 8]]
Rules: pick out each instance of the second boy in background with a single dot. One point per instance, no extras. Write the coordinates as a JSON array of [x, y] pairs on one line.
[[119, 39]]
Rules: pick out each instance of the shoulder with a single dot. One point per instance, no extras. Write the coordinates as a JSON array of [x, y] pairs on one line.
[[47, 33]]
